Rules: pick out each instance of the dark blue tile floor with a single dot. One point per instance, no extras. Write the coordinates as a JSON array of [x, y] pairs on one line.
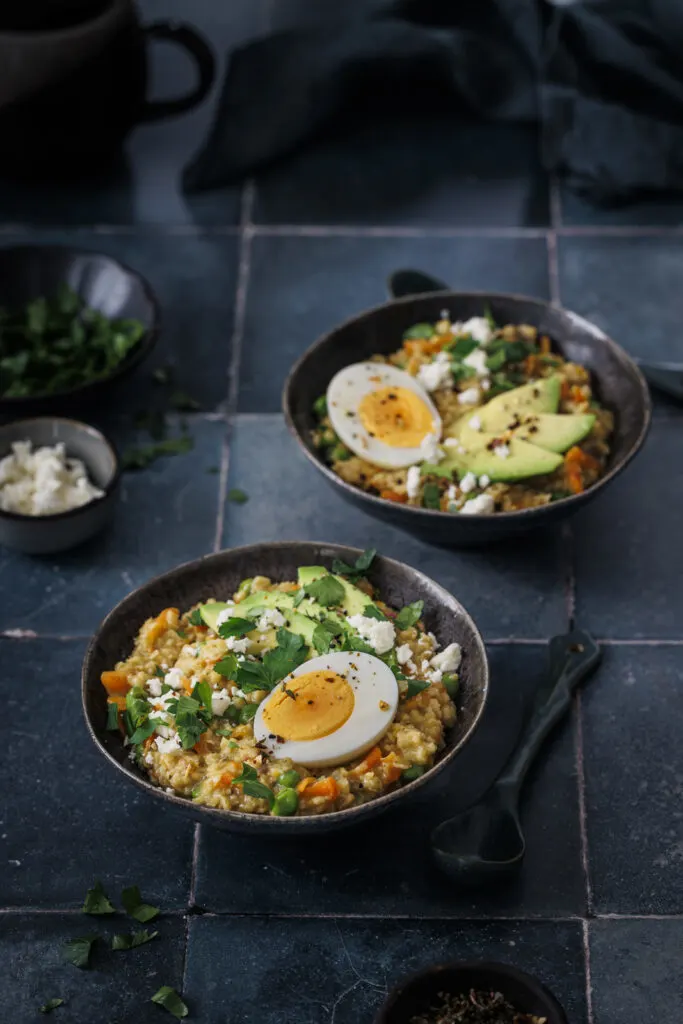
[[314, 932]]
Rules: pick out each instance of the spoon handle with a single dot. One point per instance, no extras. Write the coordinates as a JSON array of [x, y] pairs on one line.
[[403, 283], [573, 656]]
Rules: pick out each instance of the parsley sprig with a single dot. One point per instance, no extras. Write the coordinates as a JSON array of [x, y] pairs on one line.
[[359, 567], [248, 780], [291, 651]]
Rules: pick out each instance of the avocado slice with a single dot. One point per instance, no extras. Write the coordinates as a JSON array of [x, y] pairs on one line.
[[555, 432], [538, 396], [355, 600], [295, 620], [525, 460]]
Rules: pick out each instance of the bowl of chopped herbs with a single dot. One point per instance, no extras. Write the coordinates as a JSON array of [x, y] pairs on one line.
[[72, 323], [474, 992]]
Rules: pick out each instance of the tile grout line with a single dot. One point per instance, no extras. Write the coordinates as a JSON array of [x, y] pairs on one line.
[[496, 641], [588, 977], [583, 818], [243, 274], [183, 912]]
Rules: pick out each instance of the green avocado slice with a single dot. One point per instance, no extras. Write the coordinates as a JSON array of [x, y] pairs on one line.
[[524, 460], [538, 396]]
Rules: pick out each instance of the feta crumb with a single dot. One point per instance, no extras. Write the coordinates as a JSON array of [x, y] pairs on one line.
[[485, 384], [434, 376], [379, 634], [502, 451], [452, 493], [436, 676], [483, 504], [410, 666], [476, 361], [220, 700], [271, 619], [430, 450], [161, 730], [448, 660], [478, 328], [404, 653], [413, 482], [468, 483], [474, 423], [484, 480], [450, 442], [174, 678], [154, 687], [469, 397], [224, 615], [445, 314], [43, 482], [237, 645], [169, 746]]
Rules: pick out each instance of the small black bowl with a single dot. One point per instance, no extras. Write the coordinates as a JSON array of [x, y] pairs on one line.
[[421, 990], [116, 290], [218, 576], [618, 382]]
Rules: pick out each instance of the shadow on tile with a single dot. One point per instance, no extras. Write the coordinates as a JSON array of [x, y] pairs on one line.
[[655, 211], [385, 868]]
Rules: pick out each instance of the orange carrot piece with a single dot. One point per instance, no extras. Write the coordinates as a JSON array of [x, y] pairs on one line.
[[187, 685], [304, 784], [115, 683], [393, 773], [545, 345], [370, 761], [119, 701], [201, 746], [328, 787], [389, 495], [576, 393], [167, 619], [565, 390]]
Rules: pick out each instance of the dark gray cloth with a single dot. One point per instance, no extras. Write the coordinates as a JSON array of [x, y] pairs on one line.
[[604, 80]]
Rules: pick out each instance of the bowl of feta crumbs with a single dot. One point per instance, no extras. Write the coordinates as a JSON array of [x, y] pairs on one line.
[[58, 484]]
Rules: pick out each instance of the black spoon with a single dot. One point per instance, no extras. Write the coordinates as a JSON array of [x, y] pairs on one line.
[[667, 377], [486, 841]]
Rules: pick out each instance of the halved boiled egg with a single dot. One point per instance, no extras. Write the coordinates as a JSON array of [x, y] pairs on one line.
[[329, 710], [382, 414]]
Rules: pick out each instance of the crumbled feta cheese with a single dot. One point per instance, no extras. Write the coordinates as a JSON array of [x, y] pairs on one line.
[[161, 729], [413, 482], [378, 633], [484, 480], [220, 700], [448, 660], [239, 693], [154, 687], [476, 361], [424, 666], [169, 746], [434, 376], [485, 384], [430, 450], [468, 483], [237, 645], [452, 493], [450, 442], [43, 482], [436, 676], [271, 619], [502, 451], [474, 423], [478, 328], [445, 314], [462, 450], [149, 759], [469, 397], [404, 653], [224, 615], [483, 504], [174, 678]]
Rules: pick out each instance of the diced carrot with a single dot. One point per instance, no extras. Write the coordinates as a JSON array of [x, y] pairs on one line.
[[304, 784], [389, 495], [393, 773], [576, 393], [115, 683], [328, 787], [148, 743], [201, 746], [545, 345], [119, 701], [565, 390], [168, 619], [531, 365], [187, 685], [225, 781], [370, 761]]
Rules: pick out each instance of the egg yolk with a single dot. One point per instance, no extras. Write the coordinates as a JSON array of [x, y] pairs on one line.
[[314, 704], [396, 416]]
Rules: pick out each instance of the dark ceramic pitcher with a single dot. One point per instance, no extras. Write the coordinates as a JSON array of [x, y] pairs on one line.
[[70, 92]]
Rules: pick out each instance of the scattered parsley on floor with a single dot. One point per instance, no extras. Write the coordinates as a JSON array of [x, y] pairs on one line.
[[237, 496], [134, 940], [171, 1001], [97, 902], [50, 1005], [133, 905], [77, 951]]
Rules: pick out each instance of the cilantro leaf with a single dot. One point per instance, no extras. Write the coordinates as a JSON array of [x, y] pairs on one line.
[[327, 591], [360, 566], [237, 496], [416, 686], [227, 667], [171, 1001], [462, 347], [195, 618], [133, 905], [50, 1005], [496, 361], [236, 627], [159, 672], [97, 902], [112, 717], [321, 640], [248, 780], [131, 941], [137, 705], [409, 615], [277, 663], [189, 722], [143, 732], [356, 643], [431, 496], [371, 611], [77, 951]]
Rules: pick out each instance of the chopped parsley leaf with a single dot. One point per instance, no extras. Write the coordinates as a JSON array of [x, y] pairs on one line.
[[371, 611], [50, 1005], [112, 717], [77, 951], [227, 667], [248, 780], [431, 496], [195, 617], [277, 663], [171, 1001], [360, 566], [409, 615], [416, 686], [133, 905], [97, 902], [236, 626], [131, 941], [327, 591], [238, 496]]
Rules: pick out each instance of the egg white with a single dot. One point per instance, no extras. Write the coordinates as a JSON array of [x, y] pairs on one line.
[[371, 681], [344, 394]]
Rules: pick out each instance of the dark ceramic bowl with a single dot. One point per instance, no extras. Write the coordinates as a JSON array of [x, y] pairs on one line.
[[44, 535], [420, 991], [217, 575], [30, 271], [618, 383]]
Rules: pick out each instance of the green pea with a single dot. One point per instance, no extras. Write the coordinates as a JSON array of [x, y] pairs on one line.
[[413, 773], [286, 803], [340, 453], [195, 792], [451, 682], [320, 406], [244, 588], [289, 779]]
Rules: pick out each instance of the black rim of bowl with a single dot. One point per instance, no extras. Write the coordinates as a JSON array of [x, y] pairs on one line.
[[272, 821], [493, 967], [129, 362], [520, 515], [55, 517]]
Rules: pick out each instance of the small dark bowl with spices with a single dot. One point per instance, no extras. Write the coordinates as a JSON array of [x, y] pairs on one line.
[[617, 381], [73, 324], [471, 992]]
